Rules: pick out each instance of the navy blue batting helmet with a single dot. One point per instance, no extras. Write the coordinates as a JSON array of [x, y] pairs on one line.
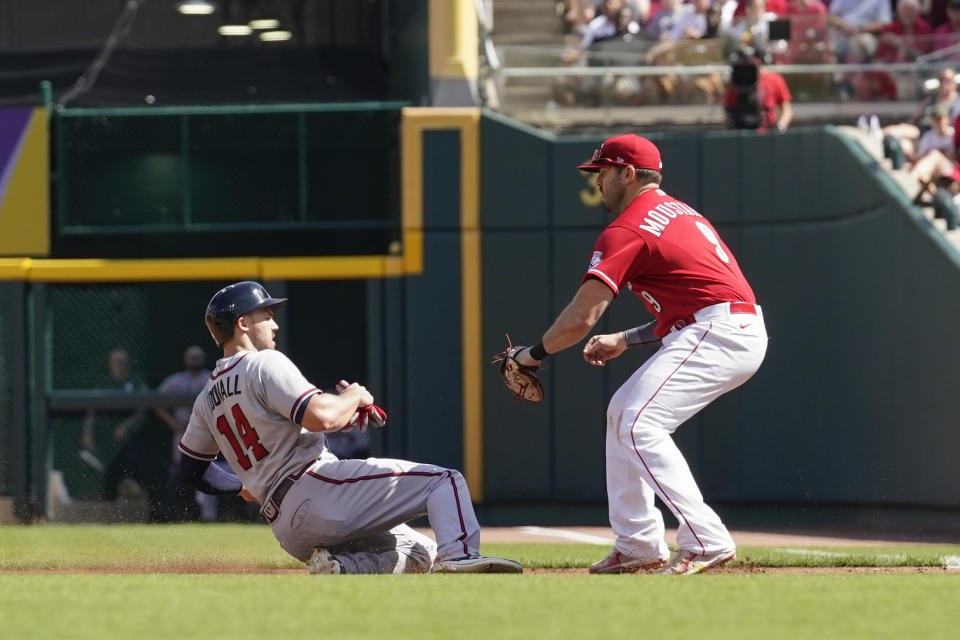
[[233, 301]]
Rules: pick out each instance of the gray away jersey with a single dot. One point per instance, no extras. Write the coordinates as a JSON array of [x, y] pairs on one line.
[[250, 409]]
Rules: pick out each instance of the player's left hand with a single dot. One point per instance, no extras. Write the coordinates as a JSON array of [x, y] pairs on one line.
[[246, 495], [366, 416], [519, 378], [522, 355]]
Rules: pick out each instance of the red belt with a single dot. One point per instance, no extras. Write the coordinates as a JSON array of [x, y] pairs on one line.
[[743, 307]]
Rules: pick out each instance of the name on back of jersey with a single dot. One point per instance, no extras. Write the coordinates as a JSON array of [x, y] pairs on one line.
[[222, 389], [660, 216]]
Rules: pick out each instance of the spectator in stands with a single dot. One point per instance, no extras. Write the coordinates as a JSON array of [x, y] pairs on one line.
[[947, 34], [938, 169], [904, 40], [615, 20], [776, 7], [662, 24], [809, 34], [935, 170], [805, 8], [907, 134], [581, 12], [856, 25], [727, 10], [939, 137], [190, 380], [907, 37], [137, 451], [714, 20], [693, 22], [753, 29], [757, 98], [121, 423]]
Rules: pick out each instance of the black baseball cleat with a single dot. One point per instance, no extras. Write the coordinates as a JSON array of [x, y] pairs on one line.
[[476, 564]]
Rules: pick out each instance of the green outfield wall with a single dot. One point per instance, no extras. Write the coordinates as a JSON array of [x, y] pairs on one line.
[[469, 227]]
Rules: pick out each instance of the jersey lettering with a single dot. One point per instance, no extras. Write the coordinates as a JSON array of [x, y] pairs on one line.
[[247, 434], [646, 295], [222, 390], [712, 238], [660, 216]]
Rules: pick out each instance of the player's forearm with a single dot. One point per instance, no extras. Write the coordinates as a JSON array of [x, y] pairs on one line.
[[579, 317], [207, 477], [330, 412], [567, 330]]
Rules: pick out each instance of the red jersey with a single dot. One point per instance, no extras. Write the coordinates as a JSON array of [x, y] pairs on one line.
[[813, 8], [669, 256]]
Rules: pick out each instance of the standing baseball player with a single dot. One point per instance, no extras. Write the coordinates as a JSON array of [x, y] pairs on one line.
[[338, 516], [712, 340]]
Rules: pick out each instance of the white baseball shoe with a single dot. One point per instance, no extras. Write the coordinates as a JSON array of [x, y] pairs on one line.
[[322, 562], [616, 562], [686, 562], [476, 564]]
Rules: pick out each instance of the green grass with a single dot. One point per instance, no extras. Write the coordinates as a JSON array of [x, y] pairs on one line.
[[141, 547], [848, 606], [252, 547], [98, 606]]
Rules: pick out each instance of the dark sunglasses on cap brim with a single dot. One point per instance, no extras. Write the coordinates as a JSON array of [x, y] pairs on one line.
[[597, 157]]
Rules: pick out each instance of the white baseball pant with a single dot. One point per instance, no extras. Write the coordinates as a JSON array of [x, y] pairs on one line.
[[353, 506], [695, 365]]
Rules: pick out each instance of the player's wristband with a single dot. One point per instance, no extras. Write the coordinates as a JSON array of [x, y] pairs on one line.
[[640, 335], [537, 352]]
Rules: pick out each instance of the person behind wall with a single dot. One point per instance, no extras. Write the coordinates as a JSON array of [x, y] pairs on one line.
[[856, 26], [190, 380], [133, 451], [756, 98]]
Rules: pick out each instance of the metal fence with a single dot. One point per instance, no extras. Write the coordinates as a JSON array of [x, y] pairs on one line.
[[98, 338], [649, 82]]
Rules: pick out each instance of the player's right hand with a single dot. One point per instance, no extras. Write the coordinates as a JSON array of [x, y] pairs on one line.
[[603, 347]]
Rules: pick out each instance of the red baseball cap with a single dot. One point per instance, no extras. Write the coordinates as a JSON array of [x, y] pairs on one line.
[[628, 150]]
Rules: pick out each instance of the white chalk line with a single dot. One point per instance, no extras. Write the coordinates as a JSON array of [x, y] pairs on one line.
[[563, 534], [948, 562]]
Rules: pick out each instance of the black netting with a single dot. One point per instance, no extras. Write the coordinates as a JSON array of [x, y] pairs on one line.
[[99, 339], [6, 395], [88, 323]]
